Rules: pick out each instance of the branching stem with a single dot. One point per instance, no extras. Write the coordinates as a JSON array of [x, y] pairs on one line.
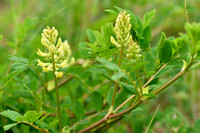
[[34, 126], [139, 102]]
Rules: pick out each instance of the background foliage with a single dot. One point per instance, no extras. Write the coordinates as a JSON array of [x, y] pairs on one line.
[[21, 27]]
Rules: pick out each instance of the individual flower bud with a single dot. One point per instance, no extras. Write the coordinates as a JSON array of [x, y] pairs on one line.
[[45, 42], [62, 64], [59, 74], [67, 49], [115, 42], [45, 69], [40, 53], [59, 43], [52, 49], [40, 63], [72, 61]]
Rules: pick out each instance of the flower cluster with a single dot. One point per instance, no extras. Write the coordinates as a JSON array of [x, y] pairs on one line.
[[56, 54], [133, 51], [122, 30]]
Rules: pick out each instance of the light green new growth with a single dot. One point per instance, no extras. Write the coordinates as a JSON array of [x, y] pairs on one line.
[[60, 52], [122, 30], [133, 51]]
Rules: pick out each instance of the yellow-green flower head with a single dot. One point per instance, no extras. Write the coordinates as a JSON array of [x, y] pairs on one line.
[[133, 51], [49, 36], [122, 30], [60, 52]]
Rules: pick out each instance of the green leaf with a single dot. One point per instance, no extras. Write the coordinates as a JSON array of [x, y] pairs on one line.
[[118, 75], [29, 115], [128, 64], [97, 100], [66, 117], [138, 35], [19, 66], [43, 118], [110, 95], [52, 124], [33, 84], [162, 39], [6, 127], [129, 88], [75, 70], [185, 129], [164, 70], [83, 49], [119, 9], [111, 11], [144, 43], [151, 66], [193, 31], [121, 97], [148, 17], [79, 110], [99, 39], [35, 117], [19, 59], [138, 65], [10, 114], [108, 64], [91, 36], [138, 109], [135, 26], [140, 29], [165, 52], [106, 32]]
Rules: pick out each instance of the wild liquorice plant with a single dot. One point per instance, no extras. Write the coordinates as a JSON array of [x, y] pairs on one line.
[[120, 71]]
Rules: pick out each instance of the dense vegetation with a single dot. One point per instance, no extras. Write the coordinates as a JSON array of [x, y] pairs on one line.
[[99, 66]]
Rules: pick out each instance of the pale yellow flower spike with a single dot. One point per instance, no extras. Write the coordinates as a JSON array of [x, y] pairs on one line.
[[122, 30], [60, 52], [133, 51]]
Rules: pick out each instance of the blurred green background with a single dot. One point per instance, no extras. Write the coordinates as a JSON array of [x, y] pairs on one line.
[[22, 21]]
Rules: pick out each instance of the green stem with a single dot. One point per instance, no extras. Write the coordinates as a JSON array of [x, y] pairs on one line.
[[139, 81], [146, 131], [116, 84], [34, 126], [46, 82], [57, 94], [138, 92]]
